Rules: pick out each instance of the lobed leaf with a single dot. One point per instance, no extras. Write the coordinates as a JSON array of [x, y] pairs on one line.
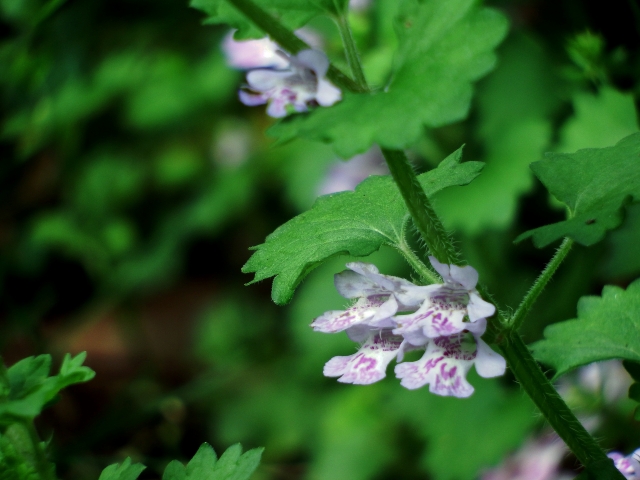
[[28, 388], [291, 13], [444, 46], [232, 465], [355, 223], [607, 327], [124, 471], [595, 184]]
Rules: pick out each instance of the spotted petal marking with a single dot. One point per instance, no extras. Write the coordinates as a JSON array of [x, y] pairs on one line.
[[444, 366], [367, 365], [372, 310], [440, 315]]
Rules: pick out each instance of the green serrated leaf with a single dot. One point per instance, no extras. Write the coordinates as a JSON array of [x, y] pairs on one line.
[[356, 223], [444, 46], [123, 471], [291, 13], [595, 184], [232, 465], [31, 388], [607, 327]]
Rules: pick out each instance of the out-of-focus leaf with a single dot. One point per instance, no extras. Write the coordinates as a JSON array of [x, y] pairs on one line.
[[31, 387], [356, 223], [354, 440], [513, 105], [459, 428], [232, 465], [123, 471], [623, 256], [595, 184], [607, 327], [444, 46], [292, 13], [599, 120]]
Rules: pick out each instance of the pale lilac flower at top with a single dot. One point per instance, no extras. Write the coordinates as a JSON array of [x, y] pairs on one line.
[[378, 298], [302, 84], [346, 175], [444, 311], [629, 466], [369, 363], [448, 359], [248, 54]]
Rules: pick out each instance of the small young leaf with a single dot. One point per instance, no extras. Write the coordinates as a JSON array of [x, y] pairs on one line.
[[292, 13], [607, 327], [444, 46], [595, 184], [356, 223], [204, 465], [30, 388], [124, 471]]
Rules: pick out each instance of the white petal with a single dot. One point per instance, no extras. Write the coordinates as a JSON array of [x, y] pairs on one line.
[[246, 54], [277, 108], [364, 311], [313, 60], [351, 284], [411, 296], [263, 80], [489, 363], [479, 308], [445, 376], [477, 328], [252, 99], [337, 366], [384, 312], [359, 333], [327, 94], [441, 268], [465, 276], [432, 320], [369, 364], [372, 273]]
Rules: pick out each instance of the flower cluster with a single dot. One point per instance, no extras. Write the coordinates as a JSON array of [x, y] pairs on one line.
[[287, 83], [391, 316]]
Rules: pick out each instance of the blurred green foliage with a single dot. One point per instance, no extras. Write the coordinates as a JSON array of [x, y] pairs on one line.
[[133, 184]]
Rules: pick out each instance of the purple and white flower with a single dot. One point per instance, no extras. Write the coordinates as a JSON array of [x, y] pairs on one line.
[[378, 296], [447, 360], [444, 311], [369, 363], [249, 54], [629, 466], [302, 84], [374, 320]]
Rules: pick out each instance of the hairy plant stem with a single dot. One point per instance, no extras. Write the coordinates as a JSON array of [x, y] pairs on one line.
[[288, 40], [425, 272], [424, 217], [554, 409], [541, 282], [351, 52], [518, 357]]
